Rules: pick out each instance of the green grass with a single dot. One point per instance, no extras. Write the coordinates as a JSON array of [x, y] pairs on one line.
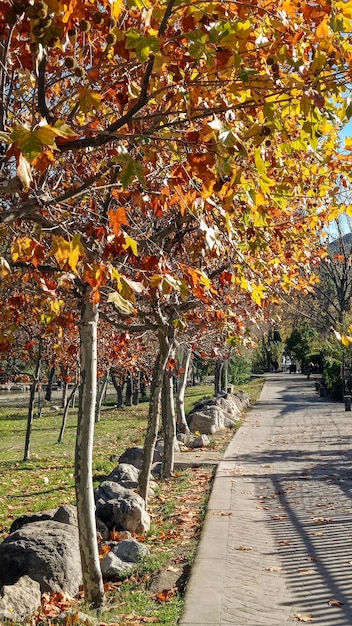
[[47, 480]]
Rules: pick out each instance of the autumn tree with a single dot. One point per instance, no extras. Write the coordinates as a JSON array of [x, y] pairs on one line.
[[123, 125]]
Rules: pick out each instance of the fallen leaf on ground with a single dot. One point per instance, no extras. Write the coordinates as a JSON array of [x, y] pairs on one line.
[[222, 513], [303, 618], [244, 548], [278, 517], [305, 571], [165, 595], [322, 520], [273, 569], [334, 602], [285, 542]]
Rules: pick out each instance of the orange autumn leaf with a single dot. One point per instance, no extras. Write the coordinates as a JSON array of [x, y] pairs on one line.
[[118, 218], [165, 595]]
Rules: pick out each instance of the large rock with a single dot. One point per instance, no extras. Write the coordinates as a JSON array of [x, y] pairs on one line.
[[112, 566], [19, 601], [29, 519], [194, 441], [47, 551], [130, 550], [210, 416], [122, 556], [66, 514], [134, 456], [121, 508], [126, 475]]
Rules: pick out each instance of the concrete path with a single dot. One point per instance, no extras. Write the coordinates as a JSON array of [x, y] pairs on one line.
[[276, 547]]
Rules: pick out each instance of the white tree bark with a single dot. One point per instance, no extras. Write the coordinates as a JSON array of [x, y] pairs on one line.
[[169, 426], [154, 414], [185, 355], [91, 573]]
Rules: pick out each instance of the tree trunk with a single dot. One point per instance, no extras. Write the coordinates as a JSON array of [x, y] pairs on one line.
[[136, 386], [218, 374], [225, 374], [91, 573], [184, 361], [119, 390], [64, 393], [154, 414], [30, 417], [40, 402], [129, 389], [64, 417], [169, 426], [49, 386], [101, 394]]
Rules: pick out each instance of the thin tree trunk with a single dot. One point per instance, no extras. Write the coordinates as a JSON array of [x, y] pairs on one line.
[[64, 393], [119, 390], [136, 387], [185, 361], [129, 389], [91, 573], [64, 417], [218, 374], [101, 394], [225, 374], [169, 426], [49, 386], [30, 417], [39, 401], [154, 414]]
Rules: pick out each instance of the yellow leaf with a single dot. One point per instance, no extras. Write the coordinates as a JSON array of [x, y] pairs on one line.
[[345, 8], [24, 172], [121, 303], [131, 243], [116, 8], [323, 29], [76, 252], [5, 269]]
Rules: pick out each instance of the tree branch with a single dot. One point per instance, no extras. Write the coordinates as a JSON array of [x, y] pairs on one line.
[[42, 106]]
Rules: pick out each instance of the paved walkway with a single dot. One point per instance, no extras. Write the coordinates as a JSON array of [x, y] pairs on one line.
[[276, 547]]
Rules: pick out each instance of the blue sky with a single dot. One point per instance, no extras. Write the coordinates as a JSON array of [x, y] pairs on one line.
[[347, 130]]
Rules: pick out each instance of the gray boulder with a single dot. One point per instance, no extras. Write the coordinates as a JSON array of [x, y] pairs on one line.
[[112, 566], [223, 411], [134, 456], [121, 508], [126, 475], [194, 441], [19, 601], [66, 514], [122, 556], [47, 551], [130, 550], [28, 519]]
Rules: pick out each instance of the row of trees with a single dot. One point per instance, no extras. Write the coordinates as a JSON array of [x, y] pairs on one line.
[[166, 167]]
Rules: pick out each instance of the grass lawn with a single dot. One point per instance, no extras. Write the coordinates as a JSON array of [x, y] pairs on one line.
[[47, 480]]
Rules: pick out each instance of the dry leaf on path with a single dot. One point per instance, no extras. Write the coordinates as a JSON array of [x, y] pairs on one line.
[[244, 548], [224, 513], [334, 602], [305, 571], [285, 542], [303, 618], [273, 569]]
